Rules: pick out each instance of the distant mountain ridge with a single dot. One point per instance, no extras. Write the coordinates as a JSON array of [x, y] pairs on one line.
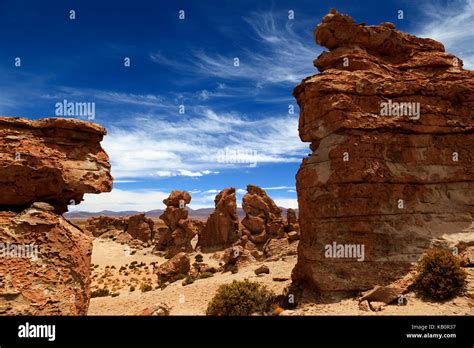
[[201, 214]]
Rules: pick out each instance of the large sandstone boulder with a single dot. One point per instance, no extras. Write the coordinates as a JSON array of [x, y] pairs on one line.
[[222, 226], [50, 160], [263, 217], [176, 267], [382, 175], [46, 165], [141, 227], [45, 264]]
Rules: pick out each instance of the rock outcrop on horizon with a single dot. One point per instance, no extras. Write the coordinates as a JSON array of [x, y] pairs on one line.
[[137, 227], [382, 175], [263, 218], [222, 226], [44, 165], [50, 160]]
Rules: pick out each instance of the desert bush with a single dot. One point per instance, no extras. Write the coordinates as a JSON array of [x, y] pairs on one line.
[[100, 293], [146, 287], [440, 276], [199, 258], [241, 298], [205, 275], [132, 288], [188, 280]]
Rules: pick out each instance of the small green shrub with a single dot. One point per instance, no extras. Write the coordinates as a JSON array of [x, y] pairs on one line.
[[100, 293], [241, 298], [199, 258], [205, 275], [188, 280], [146, 287], [440, 276], [132, 288], [176, 277]]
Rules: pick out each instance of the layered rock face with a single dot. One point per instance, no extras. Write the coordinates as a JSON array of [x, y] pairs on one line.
[[181, 230], [390, 120], [136, 227], [45, 265], [263, 217], [45, 260], [50, 160], [222, 226]]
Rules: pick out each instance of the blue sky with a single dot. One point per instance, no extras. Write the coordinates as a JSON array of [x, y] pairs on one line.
[[236, 127]]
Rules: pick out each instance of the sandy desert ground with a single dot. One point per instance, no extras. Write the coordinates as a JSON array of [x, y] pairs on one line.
[[108, 257]]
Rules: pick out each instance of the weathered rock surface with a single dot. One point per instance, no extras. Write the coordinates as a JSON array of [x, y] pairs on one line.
[[222, 226], [275, 249], [263, 217], [160, 310], [45, 264], [50, 160], [181, 230], [46, 165], [291, 221], [263, 269], [381, 175], [141, 227], [467, 257], [136, 226], [98, 226], [180, 264]]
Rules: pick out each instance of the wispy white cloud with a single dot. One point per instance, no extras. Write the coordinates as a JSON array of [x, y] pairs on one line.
[[451, 23], [201, 145], [285, 55], [183, 172], [286, 202], [113, 97], [122, 200], [279, 188]]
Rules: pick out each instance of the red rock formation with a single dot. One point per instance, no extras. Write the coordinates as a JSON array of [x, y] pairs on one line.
[[141, 227], [222, 226], [263, 217], [99, 225], [291, 221], [180, 230], [50, 160], [137, 226], [52, 276], [178, 265], [393, 184], [54, 161]]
